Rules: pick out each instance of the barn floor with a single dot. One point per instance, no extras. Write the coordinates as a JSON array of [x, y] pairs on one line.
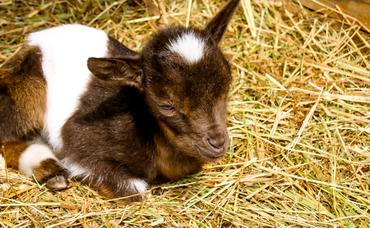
[[299, 121]]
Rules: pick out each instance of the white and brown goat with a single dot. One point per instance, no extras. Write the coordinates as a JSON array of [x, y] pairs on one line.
[[76, 103]]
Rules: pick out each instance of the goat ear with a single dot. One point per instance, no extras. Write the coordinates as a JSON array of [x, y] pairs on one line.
[[217, 26], [124, 70]]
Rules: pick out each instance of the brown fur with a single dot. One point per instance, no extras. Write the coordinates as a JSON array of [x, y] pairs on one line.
[[47, 169], [156, 117], [146, 116], [11, 153], [173, 166], [106, 191], [23, 104], [23, 97]]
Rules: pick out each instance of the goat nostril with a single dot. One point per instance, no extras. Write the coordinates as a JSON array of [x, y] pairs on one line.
[[216, 143]]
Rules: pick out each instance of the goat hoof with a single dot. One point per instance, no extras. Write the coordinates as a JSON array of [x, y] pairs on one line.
[[57, 183], [51, 172]]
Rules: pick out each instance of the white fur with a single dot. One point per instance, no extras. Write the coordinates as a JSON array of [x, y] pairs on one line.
[[65, 50], [2, 163], [74, 169], [32, 156], [138, 184], [189, 46]]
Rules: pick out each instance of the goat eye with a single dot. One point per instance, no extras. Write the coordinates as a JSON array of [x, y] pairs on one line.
[[167, 110]]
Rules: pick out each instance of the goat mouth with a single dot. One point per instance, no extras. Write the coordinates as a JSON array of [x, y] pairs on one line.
[[209, 155]]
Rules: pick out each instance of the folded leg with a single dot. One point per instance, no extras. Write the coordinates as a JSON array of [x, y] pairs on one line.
[[36, 159], [109, 178]]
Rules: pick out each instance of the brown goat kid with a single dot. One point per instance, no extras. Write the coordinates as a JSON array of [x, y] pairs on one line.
[[75, 103]]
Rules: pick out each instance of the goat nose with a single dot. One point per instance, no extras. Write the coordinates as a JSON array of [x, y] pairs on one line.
[[217, 142]]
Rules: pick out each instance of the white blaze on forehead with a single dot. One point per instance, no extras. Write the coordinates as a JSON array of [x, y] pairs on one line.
[[65, 50], [189, 46]]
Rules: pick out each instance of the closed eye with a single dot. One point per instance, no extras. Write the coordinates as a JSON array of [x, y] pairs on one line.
[[167, 107], [167, 110]]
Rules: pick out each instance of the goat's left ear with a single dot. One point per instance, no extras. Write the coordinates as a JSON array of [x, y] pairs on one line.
[[217, 26], [123, 70]]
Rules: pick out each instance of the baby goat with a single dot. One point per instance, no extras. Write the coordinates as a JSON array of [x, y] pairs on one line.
[[76, 103]]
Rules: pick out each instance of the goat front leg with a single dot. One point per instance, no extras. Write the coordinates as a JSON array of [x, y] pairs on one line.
[[38, 160], [110, 178]]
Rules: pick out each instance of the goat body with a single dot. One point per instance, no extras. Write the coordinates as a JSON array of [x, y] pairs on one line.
[[77, 103]]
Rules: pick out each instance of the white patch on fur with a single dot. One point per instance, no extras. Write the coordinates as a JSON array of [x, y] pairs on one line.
[[189, 46], [138, 184], [65, 50], [74, 169], [32, 157], [2, 163]]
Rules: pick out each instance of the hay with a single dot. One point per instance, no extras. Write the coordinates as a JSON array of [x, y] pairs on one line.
[[299, 121]]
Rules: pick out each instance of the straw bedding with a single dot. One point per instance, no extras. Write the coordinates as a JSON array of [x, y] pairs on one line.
[[299, 121]]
